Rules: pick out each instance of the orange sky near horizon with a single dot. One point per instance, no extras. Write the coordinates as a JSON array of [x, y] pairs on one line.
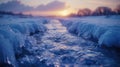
[[64, 12], [74, 6]]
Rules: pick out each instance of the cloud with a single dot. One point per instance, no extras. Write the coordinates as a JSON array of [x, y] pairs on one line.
[[4, 1], [14, 6], [17, 6], [55, 5]]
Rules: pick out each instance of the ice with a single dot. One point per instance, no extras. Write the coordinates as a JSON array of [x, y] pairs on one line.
[[7, 54], [15, 37], [110, 38], [48, 42], [105, 31]]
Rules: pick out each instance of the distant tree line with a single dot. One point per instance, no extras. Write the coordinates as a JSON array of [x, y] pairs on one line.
[[10, 13], [97, 12], [20, 14]]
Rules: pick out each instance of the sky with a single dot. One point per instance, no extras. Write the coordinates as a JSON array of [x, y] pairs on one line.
[[53, 7]]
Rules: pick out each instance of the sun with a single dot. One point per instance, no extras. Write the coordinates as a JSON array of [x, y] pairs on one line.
[[64, 13]]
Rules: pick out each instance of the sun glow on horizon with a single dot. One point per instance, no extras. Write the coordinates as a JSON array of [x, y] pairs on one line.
[[62, 13], [65, 13]]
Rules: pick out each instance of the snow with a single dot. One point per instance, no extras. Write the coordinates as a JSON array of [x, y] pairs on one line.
[[101, 29], [15, 35], [61, 49], [47, 42]]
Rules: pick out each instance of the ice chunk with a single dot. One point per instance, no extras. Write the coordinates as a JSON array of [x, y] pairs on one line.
[[111, 38], [14, 36], [7, 55]]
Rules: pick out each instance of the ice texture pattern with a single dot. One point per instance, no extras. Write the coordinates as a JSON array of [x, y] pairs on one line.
[[103, 30], [49, 42]]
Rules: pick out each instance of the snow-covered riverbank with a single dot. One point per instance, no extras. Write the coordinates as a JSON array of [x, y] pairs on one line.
[[103, 30], [47, 42]]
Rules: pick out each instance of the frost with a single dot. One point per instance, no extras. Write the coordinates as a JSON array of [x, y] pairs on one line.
[[15, 38], [48, 42], [103, 30]]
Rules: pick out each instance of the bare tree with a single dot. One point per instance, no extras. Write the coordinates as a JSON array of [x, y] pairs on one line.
[[103, 11], [84, 12], [117, 10]]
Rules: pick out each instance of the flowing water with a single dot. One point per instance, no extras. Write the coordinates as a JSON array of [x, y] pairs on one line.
[[59, 48], [66, 50]]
